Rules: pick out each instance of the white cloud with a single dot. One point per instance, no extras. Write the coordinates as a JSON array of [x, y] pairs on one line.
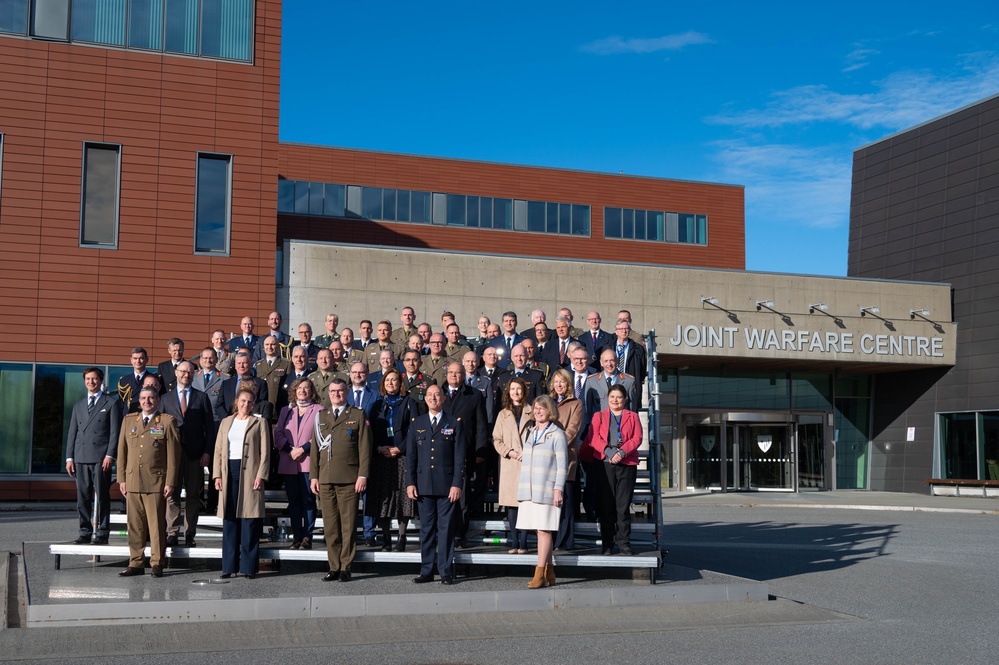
[[787, 184], [858, 58], [615, 45], [900, 100]]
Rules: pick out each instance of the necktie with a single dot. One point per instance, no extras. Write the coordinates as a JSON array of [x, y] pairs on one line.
[[468, 381], [183, 402], [452, 392], [509, 343], [610, 380], [246, 340], [489, 373], [145, 421], [594, 339], [561, 354], [620, 358], [579, 386], [357, 398], [336, 413], [270, 363], [433, 421], [93, 401]]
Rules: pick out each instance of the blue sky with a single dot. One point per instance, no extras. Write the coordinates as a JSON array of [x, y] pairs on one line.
[[773, 96]]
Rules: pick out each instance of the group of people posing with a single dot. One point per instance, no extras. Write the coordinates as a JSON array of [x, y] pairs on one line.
[[410, 423]]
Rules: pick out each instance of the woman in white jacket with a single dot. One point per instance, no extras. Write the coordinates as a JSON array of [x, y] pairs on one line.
[[542, 478]]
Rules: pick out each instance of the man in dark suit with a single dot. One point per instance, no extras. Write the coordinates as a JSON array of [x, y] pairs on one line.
[[247, 340], [130, 384], [243, 365], [484, 384], [537, 316], [561, 341], [594, 339], [467, 406], [305, 340], [534, 379], [339, 460], [193, 412], [632, 359], [284, 341], [91, 447], [507, 339], [435, 469], [175, 347], [546, 351]]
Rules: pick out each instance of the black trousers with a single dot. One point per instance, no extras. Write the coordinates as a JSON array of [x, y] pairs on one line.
[[565, 539], [617, 484]]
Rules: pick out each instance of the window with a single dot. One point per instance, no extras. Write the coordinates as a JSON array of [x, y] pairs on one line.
[[455, 210], [16, 382], [145, 24], [213, 204], [969, 445], [371, 202], [286, 195], [50, 19], [334, 200], [631, 224], [14, 17], [100, 21], [208, 28], [226, 28], [99, 195]]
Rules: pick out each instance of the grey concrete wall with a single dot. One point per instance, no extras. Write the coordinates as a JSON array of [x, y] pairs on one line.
[[368, 282]]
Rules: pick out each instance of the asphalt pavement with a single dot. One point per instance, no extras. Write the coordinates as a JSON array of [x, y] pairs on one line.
[[856, 577]]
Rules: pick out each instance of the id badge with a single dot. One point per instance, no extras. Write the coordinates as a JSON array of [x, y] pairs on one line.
[[389, 431]]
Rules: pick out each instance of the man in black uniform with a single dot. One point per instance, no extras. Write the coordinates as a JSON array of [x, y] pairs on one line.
[[435, 469], [467, 406]]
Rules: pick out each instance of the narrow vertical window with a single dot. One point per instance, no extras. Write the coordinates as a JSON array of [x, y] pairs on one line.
[[145, 24], [99, 195], [213, 204]]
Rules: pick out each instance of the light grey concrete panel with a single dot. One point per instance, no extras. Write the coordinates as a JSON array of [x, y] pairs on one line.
[[338, 606], [436, 603], [524, 601], [92, 614], [567, 598]]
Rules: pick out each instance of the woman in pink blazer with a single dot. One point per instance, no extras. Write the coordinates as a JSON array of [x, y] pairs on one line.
[[293, 440], [612, 442]]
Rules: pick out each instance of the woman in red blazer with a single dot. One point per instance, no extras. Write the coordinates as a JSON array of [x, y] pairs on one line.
[[612, 441]]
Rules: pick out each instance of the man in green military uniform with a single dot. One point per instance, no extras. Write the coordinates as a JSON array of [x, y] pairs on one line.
[[338, 471], [148, 468], [331, 335], [401, 335], [273, 369], [324, 375]]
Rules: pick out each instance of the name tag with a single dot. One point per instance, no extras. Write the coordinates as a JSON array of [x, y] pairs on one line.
[[389, 432]]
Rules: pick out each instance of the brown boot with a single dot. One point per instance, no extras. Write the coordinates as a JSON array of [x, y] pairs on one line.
[[550, 574], [539, 578]]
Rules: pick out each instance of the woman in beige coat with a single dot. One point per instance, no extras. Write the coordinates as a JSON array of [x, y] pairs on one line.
[[508, 433], [240, 468]]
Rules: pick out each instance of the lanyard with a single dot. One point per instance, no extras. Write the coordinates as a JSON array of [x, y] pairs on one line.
[[617, 421], [539, 435]]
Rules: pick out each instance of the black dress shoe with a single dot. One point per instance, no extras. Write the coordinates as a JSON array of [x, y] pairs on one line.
[[459, 543], [370, 542], [250, 576], [100, 541], [225, 576], [131, 572], [331, 576], [189, 542], [171, 541], [399, 547], [626, 551], [423, 579], [605, 551], [157, 571], [82, 540], [447, 580], [345, 576]]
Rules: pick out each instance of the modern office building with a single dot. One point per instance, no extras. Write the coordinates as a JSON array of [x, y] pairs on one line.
[[144, 195], [925, 206]]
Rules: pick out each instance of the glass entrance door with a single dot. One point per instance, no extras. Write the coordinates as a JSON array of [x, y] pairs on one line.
[[704, 455], [811, 453], [761, 457]]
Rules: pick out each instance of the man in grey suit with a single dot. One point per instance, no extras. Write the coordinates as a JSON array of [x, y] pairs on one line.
[[91, 448], [597, 385], [209, 381]]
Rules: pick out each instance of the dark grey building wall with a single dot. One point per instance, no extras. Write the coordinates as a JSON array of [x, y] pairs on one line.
[[925, 206]]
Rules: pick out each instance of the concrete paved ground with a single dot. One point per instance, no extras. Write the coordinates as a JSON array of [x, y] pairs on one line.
[[858, 578]]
